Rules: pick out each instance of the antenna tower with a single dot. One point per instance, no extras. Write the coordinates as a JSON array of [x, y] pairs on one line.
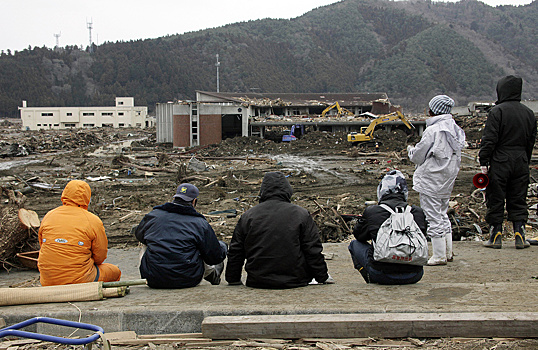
[[57, 36], [217, 65], [90, 27]]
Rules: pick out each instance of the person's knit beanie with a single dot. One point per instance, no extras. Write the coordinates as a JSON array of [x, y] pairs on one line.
[[441, 104]]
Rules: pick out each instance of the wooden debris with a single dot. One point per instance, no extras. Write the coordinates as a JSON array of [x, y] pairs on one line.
[[255, 344], [416, 342], [15, 236], [133, 213], [396, 325], [331, 346], [123, 162], [16, 343], [131, 338]]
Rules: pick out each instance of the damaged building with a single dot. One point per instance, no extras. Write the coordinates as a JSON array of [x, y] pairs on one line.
[[215, 116]]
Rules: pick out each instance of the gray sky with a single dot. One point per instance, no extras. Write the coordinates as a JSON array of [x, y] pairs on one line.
[[35, 22]]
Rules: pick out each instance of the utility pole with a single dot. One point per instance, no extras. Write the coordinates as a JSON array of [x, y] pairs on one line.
[[57, 36], [217, 65], [90, 27]]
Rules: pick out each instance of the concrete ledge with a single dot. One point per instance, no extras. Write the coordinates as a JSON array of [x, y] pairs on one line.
[[482, 281], [395, 325]]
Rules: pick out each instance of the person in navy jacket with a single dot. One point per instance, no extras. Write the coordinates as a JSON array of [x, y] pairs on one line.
[[181, 246]]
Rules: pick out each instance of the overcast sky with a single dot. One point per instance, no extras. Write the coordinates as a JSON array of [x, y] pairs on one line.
[[26, 23]]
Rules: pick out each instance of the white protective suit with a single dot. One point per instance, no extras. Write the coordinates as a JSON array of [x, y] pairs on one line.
[[437, 157]]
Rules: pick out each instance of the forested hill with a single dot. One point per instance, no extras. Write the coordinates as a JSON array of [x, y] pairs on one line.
[[409, 49]]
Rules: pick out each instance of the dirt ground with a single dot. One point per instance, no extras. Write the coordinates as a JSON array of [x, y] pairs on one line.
[[129, 174], [368, 344]]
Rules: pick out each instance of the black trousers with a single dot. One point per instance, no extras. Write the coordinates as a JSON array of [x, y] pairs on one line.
[[508, 181]]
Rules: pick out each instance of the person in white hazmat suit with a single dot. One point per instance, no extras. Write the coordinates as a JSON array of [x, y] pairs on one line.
[[437, 157]]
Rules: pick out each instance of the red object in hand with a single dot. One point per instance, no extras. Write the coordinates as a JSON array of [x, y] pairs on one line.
[[480, 180]]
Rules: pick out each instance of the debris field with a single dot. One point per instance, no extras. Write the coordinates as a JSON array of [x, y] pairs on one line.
[[129, 173]]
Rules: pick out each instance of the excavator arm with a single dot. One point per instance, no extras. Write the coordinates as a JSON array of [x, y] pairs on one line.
[[368, 133], [341, 110]]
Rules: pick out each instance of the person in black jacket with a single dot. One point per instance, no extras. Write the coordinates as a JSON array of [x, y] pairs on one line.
[[505, 153], [279, 240], [391, 191], [182, 248]]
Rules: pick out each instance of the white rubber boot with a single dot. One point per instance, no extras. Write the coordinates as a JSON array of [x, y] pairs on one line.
[[449, 252], [439, 251]]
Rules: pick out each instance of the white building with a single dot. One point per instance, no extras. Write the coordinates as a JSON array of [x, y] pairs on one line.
[[125, 114]]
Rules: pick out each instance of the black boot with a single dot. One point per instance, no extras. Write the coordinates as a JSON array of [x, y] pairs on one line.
[[519, 233], [495, 237]]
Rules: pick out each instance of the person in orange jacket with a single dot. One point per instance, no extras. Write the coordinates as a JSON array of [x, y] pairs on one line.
[[73, 242]]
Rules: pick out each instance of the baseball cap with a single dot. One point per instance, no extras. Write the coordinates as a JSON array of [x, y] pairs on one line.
[[187, 192]]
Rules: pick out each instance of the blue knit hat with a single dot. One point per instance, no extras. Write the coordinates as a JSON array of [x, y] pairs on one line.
[[441, 104]]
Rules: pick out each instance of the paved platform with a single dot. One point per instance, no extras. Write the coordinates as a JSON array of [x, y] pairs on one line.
[[479, 280]]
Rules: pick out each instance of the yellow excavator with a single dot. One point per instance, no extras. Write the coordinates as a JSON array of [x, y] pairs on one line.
[[367, 132], [340, 110]]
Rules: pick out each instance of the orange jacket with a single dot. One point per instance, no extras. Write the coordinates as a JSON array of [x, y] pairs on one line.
[[72, 239]]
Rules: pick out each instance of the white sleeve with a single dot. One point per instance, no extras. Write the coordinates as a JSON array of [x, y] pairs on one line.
[[419, 153]]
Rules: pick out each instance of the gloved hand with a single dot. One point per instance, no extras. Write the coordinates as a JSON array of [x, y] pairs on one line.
[[238, 283], [484, 169], [409, 147]]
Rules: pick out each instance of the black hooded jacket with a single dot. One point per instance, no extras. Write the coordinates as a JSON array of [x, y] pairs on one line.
[[373, 217], [279, 240], [179, 240], [510, 129]]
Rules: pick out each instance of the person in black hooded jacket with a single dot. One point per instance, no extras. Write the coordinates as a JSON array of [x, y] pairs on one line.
[[181, 246], [505, 152], [391, 191], [279, 240]]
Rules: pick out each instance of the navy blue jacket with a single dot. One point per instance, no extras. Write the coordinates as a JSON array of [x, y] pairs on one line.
[[179, 240]]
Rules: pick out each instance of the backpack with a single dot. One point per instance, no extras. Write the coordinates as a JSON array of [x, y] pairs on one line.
[[400, 240]]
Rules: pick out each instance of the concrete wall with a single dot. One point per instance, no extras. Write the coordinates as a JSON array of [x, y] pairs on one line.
[[124, 101]]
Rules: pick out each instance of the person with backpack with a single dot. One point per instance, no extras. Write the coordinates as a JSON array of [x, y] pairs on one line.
[[392, 192], [437, 157]]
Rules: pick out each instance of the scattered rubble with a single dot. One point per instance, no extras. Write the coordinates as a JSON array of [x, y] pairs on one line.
[[129, 339], [129, 174]]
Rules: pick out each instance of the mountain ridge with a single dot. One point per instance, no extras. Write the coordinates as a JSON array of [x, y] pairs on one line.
[[409, 49]]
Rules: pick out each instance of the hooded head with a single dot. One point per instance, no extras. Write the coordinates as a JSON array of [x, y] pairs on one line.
[[392, 183], [441, 104], [275, 185], [77, 193], [509, 89]]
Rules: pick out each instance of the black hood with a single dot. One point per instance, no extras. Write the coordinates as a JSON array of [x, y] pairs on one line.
[[275, 185], [509, 89]]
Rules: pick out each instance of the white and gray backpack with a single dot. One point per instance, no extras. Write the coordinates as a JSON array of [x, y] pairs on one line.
[[400, 240]]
